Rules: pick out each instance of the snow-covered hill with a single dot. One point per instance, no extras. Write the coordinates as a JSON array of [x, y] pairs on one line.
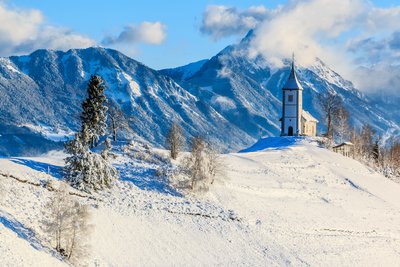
[[283, 202]]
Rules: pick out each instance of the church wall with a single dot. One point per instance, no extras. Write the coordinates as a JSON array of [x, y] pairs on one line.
[[309, 128], [291, 111]]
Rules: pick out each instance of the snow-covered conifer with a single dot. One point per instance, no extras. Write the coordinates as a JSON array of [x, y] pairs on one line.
[[94, 110]]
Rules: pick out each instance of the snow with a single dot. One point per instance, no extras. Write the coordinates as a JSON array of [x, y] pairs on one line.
[[50, 133], [133, 85], [9, 65], [225, 103], [282, 202]]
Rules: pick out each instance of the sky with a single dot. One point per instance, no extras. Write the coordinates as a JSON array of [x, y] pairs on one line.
[[163, 34]]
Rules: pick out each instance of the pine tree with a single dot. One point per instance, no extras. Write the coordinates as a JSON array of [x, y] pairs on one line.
[[85, 169], [94, 110], [88, 171]]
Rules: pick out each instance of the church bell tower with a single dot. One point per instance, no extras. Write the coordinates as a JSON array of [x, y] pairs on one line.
[[292, 105]]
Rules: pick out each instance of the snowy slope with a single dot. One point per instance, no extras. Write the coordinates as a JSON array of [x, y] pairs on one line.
[[284, 202]]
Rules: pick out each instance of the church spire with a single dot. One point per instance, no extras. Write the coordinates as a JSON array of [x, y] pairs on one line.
[[292, 82]]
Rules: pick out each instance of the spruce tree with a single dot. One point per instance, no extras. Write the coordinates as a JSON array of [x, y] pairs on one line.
[[84, 169], [94, 110]]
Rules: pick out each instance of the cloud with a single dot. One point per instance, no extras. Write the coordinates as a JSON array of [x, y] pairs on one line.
[[308, 28], [352, 36], [22, 31], [221, 21], [394, 42], [147, 32]]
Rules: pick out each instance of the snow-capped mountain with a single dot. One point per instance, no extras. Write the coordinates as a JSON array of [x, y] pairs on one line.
[[43, 92], [247, 91], [231, 98]]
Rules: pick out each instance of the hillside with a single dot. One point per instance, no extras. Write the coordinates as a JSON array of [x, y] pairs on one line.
[[283, 202]]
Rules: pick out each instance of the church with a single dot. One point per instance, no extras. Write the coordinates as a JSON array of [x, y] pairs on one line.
[[295, 121]]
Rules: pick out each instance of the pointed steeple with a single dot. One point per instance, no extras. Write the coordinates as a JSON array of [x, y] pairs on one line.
[[292, 83]]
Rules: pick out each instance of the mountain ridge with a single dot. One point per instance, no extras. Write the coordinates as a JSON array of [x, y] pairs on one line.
[[230, 98]]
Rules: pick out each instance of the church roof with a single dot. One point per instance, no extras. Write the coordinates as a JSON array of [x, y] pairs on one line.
[[307, 116], [292, 83]]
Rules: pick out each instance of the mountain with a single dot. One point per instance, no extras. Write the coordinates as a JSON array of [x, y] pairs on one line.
[[43, 92], [230, 98], [247, 91], [185, 72]]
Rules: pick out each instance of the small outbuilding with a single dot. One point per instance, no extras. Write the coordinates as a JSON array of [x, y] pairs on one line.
[[346, 149]]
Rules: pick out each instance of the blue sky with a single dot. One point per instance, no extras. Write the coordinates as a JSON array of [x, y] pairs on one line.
[[184, 42], [181, 41]]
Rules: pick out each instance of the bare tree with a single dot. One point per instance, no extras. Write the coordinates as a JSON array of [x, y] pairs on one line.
[[175, 140], [203, 164], [356, 141], [391, 158], [215, 165], [117, 121], [330, 106], [367, 141], [79, 229], [341, 122], [67, 224]]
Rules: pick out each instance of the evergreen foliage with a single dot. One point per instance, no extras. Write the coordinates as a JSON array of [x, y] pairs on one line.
[[94, 116], [86, 170]]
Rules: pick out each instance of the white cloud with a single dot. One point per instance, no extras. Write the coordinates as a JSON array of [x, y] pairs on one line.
[[146, 32], [308, 28], [22, 31], [221, 21], [346, 34]]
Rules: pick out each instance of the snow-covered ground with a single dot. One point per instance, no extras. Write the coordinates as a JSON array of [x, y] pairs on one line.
[[283, 202]]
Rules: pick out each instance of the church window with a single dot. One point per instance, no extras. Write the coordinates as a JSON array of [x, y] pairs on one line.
[[290, 98]]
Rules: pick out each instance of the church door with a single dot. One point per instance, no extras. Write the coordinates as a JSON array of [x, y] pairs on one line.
[[290, 131]]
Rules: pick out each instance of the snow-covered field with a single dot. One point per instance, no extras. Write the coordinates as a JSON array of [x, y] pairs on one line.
[[283, 202]]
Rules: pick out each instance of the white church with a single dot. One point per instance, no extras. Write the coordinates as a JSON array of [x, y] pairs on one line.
[[295, 121]]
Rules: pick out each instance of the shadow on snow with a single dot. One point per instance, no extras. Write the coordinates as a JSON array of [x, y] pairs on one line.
[[22, 231], [273, 143], [146, 179], [53, 170]]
